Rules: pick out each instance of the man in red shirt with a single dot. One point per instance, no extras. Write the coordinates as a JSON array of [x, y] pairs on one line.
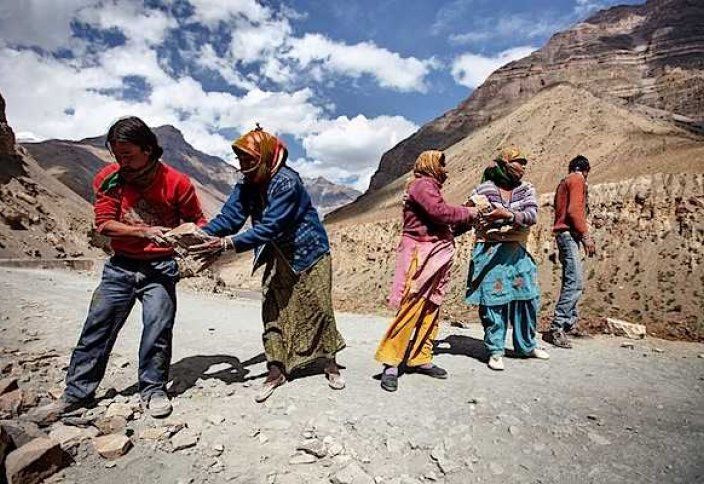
[[570, 230], [137, 200]]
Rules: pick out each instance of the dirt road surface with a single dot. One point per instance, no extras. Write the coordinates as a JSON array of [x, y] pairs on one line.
[[600, 413]]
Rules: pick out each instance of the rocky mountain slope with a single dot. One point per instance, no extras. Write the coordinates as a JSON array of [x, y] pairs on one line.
[[649, 55], [327, 196], [39, 216]]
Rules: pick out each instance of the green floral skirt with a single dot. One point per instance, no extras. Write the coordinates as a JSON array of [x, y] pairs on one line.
[[299, 321]]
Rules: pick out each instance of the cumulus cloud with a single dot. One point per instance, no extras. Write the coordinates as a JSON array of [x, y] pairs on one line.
[[212, 12], [472, 69], [388, 68], [348, 149]]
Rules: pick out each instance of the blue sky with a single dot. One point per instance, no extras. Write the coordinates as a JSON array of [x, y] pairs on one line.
[[341, 81]]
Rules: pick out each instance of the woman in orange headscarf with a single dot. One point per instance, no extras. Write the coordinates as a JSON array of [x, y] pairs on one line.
[[291, 243], [423, 264]]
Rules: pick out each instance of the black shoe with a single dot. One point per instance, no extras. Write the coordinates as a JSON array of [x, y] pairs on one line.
[[557, 338], [389, 382], [433, 371]]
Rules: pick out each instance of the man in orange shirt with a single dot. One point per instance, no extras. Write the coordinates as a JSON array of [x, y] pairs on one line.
[[570, 230]]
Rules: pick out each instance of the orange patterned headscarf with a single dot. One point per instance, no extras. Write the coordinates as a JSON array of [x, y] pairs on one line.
[[266, 148], [429, 163]]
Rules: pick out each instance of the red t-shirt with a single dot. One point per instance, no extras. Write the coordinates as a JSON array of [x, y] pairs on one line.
[[168, 201]]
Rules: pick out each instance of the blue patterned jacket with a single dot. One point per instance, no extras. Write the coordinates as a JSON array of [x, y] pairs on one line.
[[283, 219]]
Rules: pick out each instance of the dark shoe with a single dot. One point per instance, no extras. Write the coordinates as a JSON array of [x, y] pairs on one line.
[[50, 413], [389, 382], [433, 371], [557, 338]]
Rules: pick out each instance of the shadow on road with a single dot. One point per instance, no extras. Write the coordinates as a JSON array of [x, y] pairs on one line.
[[226, 368], [465, 346]]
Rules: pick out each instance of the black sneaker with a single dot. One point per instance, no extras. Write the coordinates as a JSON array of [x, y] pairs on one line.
[[433, 371], [389, 382], [557, 338]]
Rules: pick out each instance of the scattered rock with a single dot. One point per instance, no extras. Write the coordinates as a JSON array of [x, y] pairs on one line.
[[658, 350], [34, 462], [154, 433], [111, 425], [67, 436], [352, 474], [21, 432], [334, 449], [119, 409], [628, 344], [112, 446], [303, 459], [619, 327], [313, 447], [184, 439], [8, 384], [10, 403]]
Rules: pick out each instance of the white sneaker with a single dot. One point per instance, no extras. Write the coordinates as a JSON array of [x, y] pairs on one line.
[[496, 362], [158, 405], [539, 353]]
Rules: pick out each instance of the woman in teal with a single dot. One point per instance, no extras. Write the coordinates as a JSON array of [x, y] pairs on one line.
[[503, 278]]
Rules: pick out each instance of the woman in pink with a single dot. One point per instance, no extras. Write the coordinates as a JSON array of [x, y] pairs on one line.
[[424, 259]]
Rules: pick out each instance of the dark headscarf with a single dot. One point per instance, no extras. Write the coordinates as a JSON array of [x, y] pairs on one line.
[[500, 172]]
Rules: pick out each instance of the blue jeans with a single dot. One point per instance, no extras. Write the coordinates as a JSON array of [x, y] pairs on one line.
[[125, 281], [523, 315], [572, 286]]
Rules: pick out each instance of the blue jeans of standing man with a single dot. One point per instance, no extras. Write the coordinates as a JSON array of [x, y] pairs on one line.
[[125, 281], [565, 317]]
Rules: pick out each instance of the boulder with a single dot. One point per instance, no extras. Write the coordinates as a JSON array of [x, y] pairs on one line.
[[618, 327], [34, 462]]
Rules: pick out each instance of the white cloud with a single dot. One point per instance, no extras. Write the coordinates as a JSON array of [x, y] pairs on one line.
[[139, 25], [517, 27], [45, 24], [584, 8], [343, 148], [472, 69], [211, 12], [388, 68]]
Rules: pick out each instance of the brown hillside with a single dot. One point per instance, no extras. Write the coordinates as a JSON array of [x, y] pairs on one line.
[[554, 126], [650, 55]]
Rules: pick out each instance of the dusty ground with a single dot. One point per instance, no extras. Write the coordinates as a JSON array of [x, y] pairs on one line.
[[600, 413]]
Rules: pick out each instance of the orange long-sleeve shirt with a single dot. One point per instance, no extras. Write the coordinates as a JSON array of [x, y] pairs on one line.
[[571, 205]]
